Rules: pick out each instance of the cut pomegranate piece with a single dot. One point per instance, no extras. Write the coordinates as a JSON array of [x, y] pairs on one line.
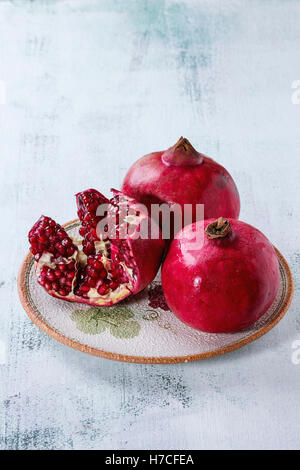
[[87, 204], [104, 267], [55, 255]]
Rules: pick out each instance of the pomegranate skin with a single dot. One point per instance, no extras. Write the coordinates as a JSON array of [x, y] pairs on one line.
[[224, 285], [184, 176]]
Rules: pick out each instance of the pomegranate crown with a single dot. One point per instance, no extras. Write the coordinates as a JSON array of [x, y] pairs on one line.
[[182, 154], [220, 228]]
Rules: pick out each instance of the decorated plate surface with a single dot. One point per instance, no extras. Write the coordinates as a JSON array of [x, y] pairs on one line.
[[141, 328]]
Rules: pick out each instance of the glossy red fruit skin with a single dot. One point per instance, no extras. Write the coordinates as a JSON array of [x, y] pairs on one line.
[[183, 177], [225, 285]]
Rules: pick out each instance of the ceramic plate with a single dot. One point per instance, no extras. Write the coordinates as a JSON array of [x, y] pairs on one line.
[[140, 329]]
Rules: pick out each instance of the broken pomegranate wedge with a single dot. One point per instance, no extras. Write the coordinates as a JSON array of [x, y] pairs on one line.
[[103, 267]]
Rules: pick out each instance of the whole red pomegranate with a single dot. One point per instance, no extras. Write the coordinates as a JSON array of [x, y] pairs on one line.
[[99, 269], [223, 283], [182, 175]]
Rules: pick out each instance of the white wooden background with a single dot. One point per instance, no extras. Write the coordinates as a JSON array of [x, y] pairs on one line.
[[86, 87]]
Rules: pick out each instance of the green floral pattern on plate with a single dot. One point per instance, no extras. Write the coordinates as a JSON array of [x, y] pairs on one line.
[[118, 319]]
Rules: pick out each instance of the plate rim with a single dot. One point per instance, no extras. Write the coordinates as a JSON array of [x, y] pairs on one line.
[[50, 331]]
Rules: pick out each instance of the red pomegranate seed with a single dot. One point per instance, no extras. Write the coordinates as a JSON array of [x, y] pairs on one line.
[[84, 288], [51, 276], [103, 273], [97, 265], [113, 285], [92, 282], [102, 290]]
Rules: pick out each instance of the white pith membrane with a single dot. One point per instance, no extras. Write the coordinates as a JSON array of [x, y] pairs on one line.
[[114, 255]]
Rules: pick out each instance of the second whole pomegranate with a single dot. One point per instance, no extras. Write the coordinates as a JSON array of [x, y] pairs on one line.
[[182, 176], [223, 282]]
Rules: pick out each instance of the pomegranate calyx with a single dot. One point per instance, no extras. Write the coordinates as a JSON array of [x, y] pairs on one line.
[[220, 228], [182, 154]]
